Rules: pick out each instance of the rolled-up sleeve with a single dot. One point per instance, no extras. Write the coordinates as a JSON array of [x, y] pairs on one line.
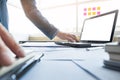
[[4, 13], [36, 17]]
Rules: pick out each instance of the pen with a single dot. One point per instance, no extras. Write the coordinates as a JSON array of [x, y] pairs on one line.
[[87, 71], [94, 48], [26, 67], [64, 59]]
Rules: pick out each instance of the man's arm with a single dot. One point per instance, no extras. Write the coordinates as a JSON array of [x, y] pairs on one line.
[[48, 29], [36, 17]]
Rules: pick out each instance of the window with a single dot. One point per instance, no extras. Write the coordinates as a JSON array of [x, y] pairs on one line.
[[18, 23], [61, 13]]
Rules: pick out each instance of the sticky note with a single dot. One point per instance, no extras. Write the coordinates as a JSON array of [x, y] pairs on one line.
[[85, 9], [89, 9], [94, 8], [93, 13], [89, 13], [98, 8], [85, 14], [98, 13]]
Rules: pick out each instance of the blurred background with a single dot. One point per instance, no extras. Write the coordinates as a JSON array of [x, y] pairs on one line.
[[66, 15]]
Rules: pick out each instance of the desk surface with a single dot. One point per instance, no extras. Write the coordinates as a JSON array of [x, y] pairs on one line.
[[57, 65], [66, 63]]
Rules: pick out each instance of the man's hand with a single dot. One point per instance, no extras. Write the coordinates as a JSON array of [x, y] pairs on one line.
[[67, 36], [8, 45]]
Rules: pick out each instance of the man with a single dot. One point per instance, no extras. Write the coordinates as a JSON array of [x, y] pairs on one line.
[[8, 44]]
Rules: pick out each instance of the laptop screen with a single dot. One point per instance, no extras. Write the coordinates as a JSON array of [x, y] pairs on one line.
[[99, 28]]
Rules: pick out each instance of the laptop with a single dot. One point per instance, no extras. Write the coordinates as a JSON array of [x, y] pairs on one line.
[[96, 30]]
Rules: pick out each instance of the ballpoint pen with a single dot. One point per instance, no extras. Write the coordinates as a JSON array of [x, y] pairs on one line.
[[94, 48], [26, 67], [63, 59]]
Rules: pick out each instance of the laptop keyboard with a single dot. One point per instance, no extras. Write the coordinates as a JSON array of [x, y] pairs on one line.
[[74, 44]]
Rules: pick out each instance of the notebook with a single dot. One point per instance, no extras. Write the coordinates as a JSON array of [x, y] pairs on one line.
[[96, 30], [111, 64]]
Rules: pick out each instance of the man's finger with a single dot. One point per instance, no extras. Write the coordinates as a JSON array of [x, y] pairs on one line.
[[10, 42], [5, 58]]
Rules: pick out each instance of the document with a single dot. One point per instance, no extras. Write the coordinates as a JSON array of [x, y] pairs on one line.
[[40, 44], [62, 55]]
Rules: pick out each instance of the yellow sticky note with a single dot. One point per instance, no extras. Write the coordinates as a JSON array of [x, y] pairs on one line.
[[93, 13], [98, 8]]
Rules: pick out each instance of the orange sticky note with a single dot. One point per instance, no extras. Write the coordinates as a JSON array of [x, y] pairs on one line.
[[89, 13], [89, 9]]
